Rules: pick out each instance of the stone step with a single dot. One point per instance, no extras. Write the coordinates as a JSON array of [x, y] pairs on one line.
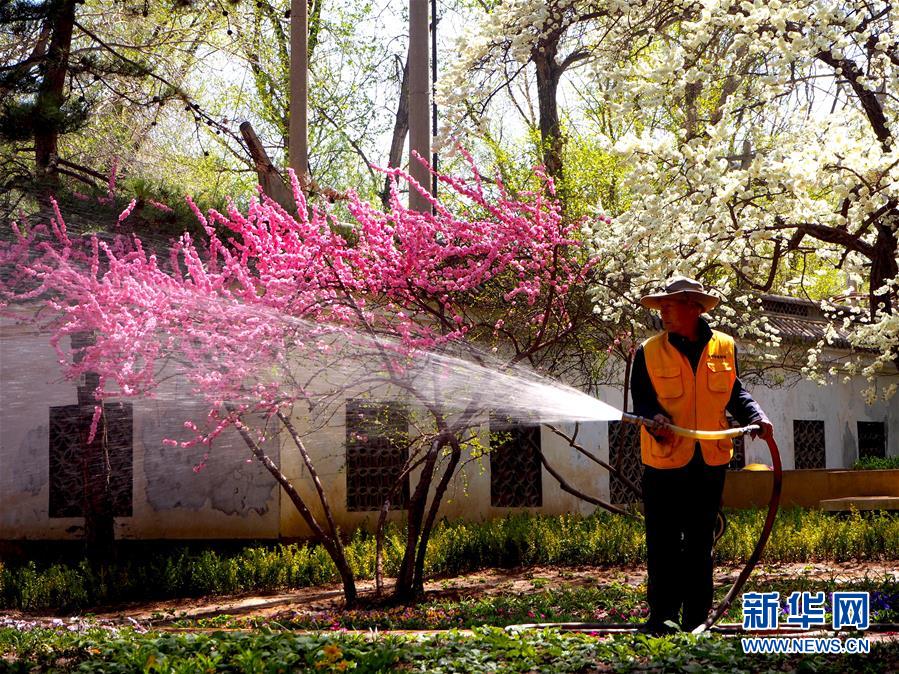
[[860, 503]]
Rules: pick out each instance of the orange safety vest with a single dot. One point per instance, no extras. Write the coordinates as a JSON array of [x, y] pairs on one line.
[[694, 401]]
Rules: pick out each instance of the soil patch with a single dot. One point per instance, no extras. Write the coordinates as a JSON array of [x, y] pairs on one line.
[[483, 583], [472, 585]]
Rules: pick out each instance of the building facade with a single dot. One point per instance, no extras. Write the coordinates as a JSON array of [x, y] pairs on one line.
[[159, 491]]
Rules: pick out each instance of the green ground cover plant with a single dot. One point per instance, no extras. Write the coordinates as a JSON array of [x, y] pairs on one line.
[[486, 649], [599, 540]]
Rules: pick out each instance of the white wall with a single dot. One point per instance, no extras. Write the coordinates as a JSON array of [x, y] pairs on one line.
[[229, 498], [839, 405], [29, 385], [233, 498]]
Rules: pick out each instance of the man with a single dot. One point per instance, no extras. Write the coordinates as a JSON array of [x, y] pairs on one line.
[[687, 376]]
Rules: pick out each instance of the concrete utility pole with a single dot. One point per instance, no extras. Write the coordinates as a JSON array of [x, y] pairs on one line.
[[434, 21], [419, 99], [299, 91]]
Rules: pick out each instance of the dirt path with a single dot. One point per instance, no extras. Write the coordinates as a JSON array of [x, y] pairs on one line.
[[478, 584]]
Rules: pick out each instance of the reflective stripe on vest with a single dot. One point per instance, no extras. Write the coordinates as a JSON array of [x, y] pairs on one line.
[[694, 401]]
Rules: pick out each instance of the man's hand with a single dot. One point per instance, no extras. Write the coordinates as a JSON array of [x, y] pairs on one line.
[[661, 432], [766, 430]]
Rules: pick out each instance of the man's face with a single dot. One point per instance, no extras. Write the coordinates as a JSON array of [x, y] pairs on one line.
[[680, 315]]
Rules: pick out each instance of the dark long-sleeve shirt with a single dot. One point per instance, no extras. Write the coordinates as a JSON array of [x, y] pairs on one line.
[[741, 405]]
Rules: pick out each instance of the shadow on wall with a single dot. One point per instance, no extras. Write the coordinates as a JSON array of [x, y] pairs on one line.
[[226, 481], [850, 451]]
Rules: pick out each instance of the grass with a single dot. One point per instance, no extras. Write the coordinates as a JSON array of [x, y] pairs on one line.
[[459, 547]]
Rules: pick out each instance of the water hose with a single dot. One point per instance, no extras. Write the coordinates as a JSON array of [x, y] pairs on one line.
[[773, 504], [652, 425]]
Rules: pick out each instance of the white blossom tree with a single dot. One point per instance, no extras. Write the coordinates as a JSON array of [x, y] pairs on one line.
[[539, 43], [759, 145]]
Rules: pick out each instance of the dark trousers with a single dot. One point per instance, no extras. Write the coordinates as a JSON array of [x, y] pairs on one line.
[[681, 506]]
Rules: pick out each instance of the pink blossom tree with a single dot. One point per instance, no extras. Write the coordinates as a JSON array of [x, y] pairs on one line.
[[357, 303]]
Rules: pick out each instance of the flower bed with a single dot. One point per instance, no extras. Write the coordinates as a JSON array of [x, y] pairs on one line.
[[459, 547]]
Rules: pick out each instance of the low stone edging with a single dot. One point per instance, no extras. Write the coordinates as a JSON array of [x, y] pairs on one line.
[[807, 488]]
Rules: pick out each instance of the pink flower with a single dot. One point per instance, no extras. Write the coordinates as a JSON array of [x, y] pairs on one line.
[[258, 290]]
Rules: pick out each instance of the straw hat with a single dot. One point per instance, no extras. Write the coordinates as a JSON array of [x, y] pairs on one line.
[[681, 287]]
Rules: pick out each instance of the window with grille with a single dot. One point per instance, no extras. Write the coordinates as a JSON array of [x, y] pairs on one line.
[[808, 443], [516, 472], [872, 439], [377, 449], [624, 454], [93, 478]]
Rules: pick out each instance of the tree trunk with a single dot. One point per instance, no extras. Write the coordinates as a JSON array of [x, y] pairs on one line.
[[99, 531], [547, 88], [379, 547], [96, 475], [51, 94], [884, 265], [298, 105], [339, 550], [269, 178], [400, 129], [419, 104], [418, 577], [331, 546], [404, 590]]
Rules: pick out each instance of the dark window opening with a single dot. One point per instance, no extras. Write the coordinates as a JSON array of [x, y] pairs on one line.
[[377, 449], [872, 439], [808, 443], [516, 472], [96, 478], [624, 454]]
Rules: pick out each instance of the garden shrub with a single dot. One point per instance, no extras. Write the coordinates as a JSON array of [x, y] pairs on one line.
[[56, 586], [877, 463], [456, 547]]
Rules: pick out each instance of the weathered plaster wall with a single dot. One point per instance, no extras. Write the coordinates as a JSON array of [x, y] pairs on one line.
[[29, 385], [839, 405], [229, 498], [467, 497], [179, 494]]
